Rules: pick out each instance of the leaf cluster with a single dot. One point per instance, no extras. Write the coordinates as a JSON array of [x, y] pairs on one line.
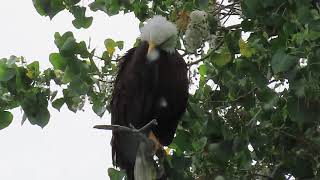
[[253, 110]]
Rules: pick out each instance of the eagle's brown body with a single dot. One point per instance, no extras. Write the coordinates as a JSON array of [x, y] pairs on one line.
[[146, 90]]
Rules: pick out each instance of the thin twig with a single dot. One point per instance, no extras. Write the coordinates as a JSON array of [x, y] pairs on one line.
[[113, 60], [235, 100], [109, 82], [222, 7], [254, 118]]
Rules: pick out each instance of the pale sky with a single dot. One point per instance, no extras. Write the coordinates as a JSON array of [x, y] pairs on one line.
[[68, 147]]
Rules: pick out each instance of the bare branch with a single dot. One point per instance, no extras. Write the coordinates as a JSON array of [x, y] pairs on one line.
[[119, 128]]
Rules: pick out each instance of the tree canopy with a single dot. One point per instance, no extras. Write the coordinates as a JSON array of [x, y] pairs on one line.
[[254, 66]]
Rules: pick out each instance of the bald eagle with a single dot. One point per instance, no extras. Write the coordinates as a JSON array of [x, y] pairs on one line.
[[151, 83]]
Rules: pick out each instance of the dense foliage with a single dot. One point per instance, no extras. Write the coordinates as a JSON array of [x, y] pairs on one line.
[[253, 111]]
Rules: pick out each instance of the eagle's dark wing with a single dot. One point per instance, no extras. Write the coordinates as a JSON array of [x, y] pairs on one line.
[[172, 95], [131, 104]]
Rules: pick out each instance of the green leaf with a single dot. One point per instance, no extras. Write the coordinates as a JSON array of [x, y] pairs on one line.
[[41, 119], [282, 62], [232, 41], [299, 87], [58, 103], [74, 71], [120, 44], [65, 43], [251, 7], [59, 62], [258, 140], [99, 108], [303, 169], [203, 4], [246, 67], [115, 174], [48, 7], [268, 98], [11, 62], [219, 178], [182, 141], [113, 7], [53, 94], [221, 58], [298, 111], [80, 21], [202, 70], [194, 110], [79, 86], [33, 70], [35, 106], [180, 162], [93, 66], [304, 13], [69, 75], [6, 73], [223, 150], [98, 5], [82, 50], [110, 45], [73, 100], [71, 2], [245, 49], [199, 144], [137, 42], [22, 81], [69, 46], [247, 25], [5, 119]]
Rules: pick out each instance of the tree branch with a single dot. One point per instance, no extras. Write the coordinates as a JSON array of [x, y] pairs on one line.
[[119, 128]]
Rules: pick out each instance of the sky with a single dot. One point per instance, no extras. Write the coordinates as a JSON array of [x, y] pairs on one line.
[[68, 147]]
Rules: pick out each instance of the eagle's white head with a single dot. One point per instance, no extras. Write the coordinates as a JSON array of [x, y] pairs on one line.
[[160, 33]]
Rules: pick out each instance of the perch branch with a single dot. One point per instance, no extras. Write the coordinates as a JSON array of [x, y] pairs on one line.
[[119, 128]]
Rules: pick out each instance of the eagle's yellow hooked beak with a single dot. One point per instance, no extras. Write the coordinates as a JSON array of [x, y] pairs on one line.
[[151, 47]]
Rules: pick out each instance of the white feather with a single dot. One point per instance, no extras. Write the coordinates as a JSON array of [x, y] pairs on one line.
[[153, 55], [158, 30]]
